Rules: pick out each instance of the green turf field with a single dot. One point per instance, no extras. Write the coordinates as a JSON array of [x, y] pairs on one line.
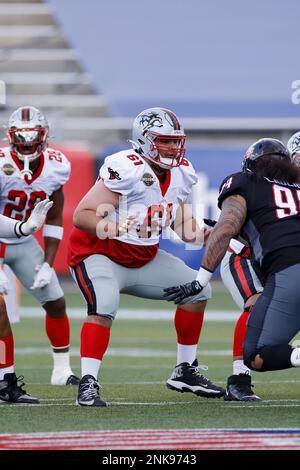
[[133, 376]]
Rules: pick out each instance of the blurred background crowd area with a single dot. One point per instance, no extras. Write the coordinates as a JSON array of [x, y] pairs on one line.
[[229, 70]]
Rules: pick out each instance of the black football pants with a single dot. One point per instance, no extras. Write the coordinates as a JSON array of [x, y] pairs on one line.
[[275, 319]]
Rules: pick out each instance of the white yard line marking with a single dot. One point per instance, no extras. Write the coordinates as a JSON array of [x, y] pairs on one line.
[[245, 405], [263, 406], [138, 314], [104, 383], [110, 403], [126, 352]]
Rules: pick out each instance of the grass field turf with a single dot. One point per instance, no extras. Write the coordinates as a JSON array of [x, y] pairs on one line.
[[134, 385]]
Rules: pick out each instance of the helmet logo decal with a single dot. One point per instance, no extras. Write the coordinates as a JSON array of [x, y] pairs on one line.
[[294, 146], [150, 120], [297, 140]]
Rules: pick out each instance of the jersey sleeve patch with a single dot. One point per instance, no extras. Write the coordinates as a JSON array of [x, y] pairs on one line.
[[119, 174]]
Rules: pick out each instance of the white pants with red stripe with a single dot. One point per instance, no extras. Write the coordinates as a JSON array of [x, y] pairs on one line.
[[240, 278], [101, 281]]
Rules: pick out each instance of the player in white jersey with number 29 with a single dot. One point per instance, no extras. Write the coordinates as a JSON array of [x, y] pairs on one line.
[[115, 247], [31, 172]]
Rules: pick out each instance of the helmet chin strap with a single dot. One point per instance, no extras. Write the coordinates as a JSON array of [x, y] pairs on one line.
[[26, 171]]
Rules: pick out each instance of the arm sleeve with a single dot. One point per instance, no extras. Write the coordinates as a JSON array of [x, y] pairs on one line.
[[7, 227], [236, 184]]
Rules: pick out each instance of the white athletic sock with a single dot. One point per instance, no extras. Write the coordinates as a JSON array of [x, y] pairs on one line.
[[295, 357], [186, 353], [240, 368], [61, 361], [90, 366], [6, 370]]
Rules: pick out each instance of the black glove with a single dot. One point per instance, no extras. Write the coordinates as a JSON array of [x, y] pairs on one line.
[[210, 222], [179, 293]]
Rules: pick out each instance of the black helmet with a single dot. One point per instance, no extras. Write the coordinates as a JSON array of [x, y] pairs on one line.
[[273, 147]]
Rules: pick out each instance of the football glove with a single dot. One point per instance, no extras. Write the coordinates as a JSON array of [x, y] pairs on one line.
[[42, 277], [36, 220], [179, 293]]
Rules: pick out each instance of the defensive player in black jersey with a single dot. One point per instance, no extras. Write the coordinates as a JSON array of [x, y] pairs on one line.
[[263, 204]]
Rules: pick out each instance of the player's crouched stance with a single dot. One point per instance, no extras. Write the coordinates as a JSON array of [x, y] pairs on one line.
[[115, 247], [262, 203], [11, 390]]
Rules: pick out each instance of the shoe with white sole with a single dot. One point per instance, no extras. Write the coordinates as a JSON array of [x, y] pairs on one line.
[[11, 391], [187, 378], [88, 392]]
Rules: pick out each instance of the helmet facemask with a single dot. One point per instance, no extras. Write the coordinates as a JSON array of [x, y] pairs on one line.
[[28, 144], [166, 151]]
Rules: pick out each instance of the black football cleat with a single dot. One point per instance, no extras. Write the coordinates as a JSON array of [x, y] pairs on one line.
[[88, 392], [73, 380], [12, 392], [239, 388], [187, 378], [64, 377]]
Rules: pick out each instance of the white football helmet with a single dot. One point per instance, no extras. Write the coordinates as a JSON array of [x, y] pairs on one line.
[[294, 147], [158, 135], [27, 132]]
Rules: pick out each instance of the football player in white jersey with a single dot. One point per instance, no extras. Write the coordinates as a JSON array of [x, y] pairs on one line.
[[30, 172], [115, 247], [11, 390]]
